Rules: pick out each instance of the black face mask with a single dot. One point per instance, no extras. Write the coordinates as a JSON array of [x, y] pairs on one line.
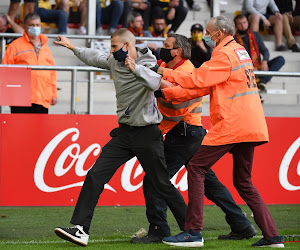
[[165, 55], [158, 32], [243, 32], [120, 55]]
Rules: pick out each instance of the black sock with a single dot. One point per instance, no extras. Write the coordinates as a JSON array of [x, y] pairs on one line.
[[86, 229]]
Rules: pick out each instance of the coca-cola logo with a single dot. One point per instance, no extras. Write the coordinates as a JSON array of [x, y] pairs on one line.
[[285, 165], [131, 170]]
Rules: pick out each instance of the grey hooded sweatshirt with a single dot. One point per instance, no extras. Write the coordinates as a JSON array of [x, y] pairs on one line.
[[136, 104]]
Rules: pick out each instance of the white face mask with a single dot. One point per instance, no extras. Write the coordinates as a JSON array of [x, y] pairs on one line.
[[211, 43], [35, 31]]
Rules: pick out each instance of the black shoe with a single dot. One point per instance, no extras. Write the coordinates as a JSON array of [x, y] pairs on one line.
[[248, 233], [148, 239], [295, 48], [276, 241], [262, 86], [281, 48], [73, 234]]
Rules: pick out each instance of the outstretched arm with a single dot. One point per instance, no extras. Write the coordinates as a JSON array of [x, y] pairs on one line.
[[15, 27], [65, 42], [91, 57]]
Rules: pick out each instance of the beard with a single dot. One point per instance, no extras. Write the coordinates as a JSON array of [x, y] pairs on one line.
[[243, 32]]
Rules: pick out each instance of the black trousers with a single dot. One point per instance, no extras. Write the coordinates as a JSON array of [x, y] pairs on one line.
[[181, 143], [146, 143], [34, 109]]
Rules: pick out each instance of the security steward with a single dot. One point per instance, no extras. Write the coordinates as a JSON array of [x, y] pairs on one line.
[[184, 133], [238, 125]]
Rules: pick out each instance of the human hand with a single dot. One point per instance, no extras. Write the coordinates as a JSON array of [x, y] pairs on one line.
[[278, 15], [290, 16], [165, 84], [64, 41], [130, 63], [8, 18], [264, 66], [53, 100]]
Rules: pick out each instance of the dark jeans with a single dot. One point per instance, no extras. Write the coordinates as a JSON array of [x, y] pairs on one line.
[[109, 15], [180, 15], [54, 16], [274, 65], [146, 143], [35, 108], [180, 146], [200, 164]]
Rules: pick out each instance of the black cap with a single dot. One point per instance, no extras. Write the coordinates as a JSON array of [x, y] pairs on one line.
[[197, 26]]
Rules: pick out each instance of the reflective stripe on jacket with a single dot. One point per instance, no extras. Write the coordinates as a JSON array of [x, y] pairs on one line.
[[174, 112], [236, 113], [43, 82]]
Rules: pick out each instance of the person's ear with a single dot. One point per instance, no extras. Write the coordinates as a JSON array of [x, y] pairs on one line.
[[179, 51]]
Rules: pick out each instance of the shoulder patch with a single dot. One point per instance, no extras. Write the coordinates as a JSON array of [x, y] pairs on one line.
[[242, 54]]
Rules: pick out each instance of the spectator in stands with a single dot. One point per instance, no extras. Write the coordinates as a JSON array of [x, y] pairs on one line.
[[173, 10], [135, 25], [73, 9], [7, 25], [296, 17], [108, 14], [32, 49], [200, 50], [255, 47], [141, 6], [49, 15], [14, 7], [286, 8], [159, 25], [256, 12]]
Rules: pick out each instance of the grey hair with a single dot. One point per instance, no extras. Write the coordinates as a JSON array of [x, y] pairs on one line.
[[31, 16], [133, 15], [183, 43], [224, 24]]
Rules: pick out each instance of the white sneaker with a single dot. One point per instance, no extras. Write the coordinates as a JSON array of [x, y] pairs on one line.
[[73, 234], [197, 6], [99, 32], [81, 30]]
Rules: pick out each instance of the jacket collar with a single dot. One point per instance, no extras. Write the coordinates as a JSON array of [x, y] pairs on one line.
[[223, 43], [42, 37]]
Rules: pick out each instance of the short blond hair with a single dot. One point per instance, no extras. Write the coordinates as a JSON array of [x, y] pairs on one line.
[[125, 35]]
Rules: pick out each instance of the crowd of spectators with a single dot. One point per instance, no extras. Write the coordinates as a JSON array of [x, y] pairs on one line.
[[110, 15]]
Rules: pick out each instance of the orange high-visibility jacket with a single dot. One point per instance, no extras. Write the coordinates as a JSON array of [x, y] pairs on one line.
[[236, 113], [174, 112], [43, 82]]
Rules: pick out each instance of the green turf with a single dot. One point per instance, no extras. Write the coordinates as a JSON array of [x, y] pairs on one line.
[[33, 227]]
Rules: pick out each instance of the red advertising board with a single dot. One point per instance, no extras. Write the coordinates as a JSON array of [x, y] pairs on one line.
[[15, 87], [44, 160]]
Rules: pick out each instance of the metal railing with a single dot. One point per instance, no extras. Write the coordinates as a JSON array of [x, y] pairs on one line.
[[74, 70]]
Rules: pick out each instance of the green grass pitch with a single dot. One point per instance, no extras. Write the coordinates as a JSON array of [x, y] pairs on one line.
[[33, 227]]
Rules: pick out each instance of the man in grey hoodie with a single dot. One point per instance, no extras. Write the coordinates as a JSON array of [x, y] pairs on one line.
[[137, 135]]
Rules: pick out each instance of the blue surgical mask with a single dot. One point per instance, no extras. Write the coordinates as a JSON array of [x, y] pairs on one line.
[[35, 31], [120, 55], [209, 42]]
